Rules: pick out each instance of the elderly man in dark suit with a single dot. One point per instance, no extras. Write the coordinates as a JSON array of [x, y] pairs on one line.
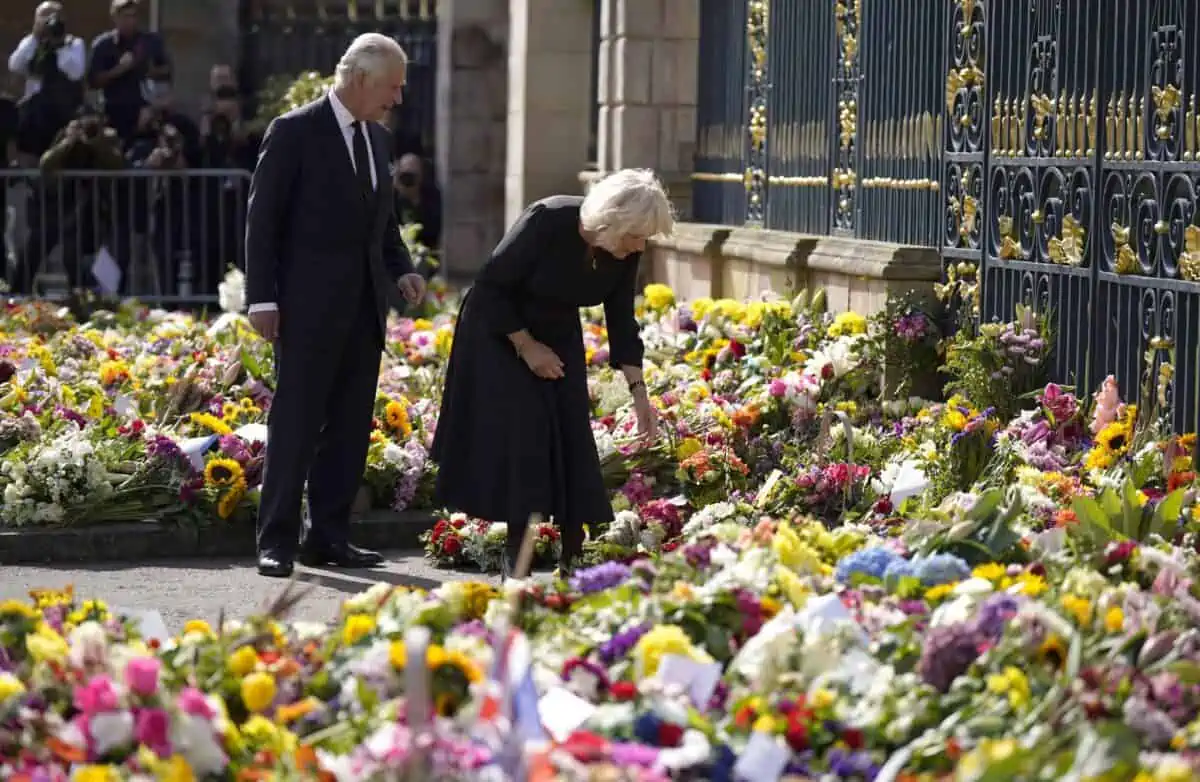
[[323, 251]]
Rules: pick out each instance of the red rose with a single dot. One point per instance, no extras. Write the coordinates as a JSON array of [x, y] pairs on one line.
[[458, 523], [853, 738], [884, 506], [797, 734], [451, 545], [827, 372], [669, 735], [623, 690], [736, 348]]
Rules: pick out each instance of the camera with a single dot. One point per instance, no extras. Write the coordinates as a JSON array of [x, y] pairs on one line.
[[56, 28], [90, 128]]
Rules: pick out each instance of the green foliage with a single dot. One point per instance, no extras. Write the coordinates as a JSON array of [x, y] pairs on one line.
[[1001, 364]]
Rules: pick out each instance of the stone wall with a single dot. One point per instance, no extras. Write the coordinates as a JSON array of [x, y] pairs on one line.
[[649, 56], [472, 110], [702, 260], [198, 34]]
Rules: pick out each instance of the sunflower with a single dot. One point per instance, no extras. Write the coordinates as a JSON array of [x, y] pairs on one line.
[[231, 498], [454, 660], [396, 416], [223, 472], [1053, 651]]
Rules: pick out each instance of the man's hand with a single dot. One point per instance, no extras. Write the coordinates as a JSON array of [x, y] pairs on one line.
[[266, 323], [126, 62], [413, 288]]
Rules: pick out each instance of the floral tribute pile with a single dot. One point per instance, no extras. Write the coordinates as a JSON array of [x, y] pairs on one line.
[[816, 574]]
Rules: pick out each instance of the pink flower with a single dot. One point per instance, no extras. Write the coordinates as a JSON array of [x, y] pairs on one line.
[[192, 701], [777, 388], [1107, 404], [97, 696], [152, 730], [1060, 404], [141, 675]]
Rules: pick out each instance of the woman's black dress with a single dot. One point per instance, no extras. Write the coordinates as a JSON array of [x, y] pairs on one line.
[[508, 443]]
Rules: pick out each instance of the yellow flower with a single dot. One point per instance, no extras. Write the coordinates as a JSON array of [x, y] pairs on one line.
[[992, 571], [258, 690], [422, 324], [10, 687], [701, 307], [1031, 584], [1114, 620], [939, 592], [1012, 683], [688, 447], [764, 724], [113, 372], [954, 420], [17, 608], [230, 500], [443, 341], [847, 323], [398, 655], [97, 773], [795, 553], [243, 661], [730, 308], [1078, 607], [222, 472], [396, 416], [792, 587], [822, 698], [453, 658], [357, 626], [211, 423], [45, 645], [177, 769], [261, 733], [662, 640], [658, 296], [198, 626]]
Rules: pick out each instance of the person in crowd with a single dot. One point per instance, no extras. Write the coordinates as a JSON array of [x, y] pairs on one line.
[[513, 437], [70, 213], [323, 250], [125, 61], [405, 141], [52, 63], [418, 200], [229, 145], [167, 208], [9, 124]]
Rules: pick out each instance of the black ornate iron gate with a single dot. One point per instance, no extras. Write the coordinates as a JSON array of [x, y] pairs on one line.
[[1050, 147], [289, 37]]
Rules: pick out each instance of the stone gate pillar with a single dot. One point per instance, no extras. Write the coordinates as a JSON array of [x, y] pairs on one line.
[[472, 105], [649, 53], [549, 88]]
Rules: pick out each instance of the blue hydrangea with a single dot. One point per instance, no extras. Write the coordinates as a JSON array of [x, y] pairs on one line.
[[872, 562], [930, 571], [941, 569]]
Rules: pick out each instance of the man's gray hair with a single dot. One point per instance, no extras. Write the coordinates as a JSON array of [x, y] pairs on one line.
[[630, 202], [372, 54]]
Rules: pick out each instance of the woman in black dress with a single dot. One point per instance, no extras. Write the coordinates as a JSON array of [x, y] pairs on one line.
[[514, 436]]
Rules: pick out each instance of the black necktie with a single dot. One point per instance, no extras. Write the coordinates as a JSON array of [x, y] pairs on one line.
[[362, 161]]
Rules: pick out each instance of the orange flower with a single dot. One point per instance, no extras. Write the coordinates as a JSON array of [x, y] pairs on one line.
[[747, 416], [1178, 480], [1065, 517]]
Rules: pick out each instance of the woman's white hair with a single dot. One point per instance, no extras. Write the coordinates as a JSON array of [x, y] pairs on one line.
[[373, 54], [629, 202]]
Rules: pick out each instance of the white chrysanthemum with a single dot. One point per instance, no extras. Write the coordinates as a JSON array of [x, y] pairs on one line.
[[231, 293]]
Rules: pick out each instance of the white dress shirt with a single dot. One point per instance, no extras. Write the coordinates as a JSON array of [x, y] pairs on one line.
[[72, 61], [345, 121]]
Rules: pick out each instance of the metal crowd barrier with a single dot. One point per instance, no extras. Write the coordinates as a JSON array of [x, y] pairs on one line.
[[166, 237]]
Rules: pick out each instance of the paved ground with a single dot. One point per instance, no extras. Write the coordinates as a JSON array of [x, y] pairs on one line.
[[201, 589]]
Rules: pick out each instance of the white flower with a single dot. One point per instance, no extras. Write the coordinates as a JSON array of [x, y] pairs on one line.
[[195, 739], [231, 293], [110, 731]]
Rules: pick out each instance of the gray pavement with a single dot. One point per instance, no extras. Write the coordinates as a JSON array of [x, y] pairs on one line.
[[201, 589]]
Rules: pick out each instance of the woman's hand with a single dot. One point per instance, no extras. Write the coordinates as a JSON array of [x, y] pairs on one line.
[[647, 417], [542, 361]]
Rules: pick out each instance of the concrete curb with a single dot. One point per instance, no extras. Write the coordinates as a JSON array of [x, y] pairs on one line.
[[149, 541]]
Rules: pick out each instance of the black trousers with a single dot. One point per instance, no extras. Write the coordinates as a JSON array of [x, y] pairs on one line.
[[319, 428]]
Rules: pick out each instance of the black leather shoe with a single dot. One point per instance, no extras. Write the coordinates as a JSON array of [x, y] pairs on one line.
[[342, 555], [274, 565]]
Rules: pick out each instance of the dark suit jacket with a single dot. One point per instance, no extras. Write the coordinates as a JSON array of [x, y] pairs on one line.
[[310, 235]]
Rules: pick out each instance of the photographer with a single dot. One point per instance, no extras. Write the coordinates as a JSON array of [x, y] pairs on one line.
[[165, 208], [52, 63], [125, 62], [70, 212], [226, 145]]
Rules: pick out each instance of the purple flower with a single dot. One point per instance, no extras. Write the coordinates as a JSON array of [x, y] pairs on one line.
[[948, 653], [619, 645], [994, 615], [234, 447], [599, 578], [164, 448], [911, 327], [70, 415]]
